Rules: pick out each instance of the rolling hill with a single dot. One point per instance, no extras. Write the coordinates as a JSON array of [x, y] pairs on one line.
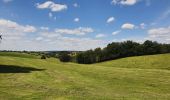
[[132, 78]]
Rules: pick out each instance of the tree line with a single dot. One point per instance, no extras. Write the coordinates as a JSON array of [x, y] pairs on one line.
[[112, 51], [117, 50]]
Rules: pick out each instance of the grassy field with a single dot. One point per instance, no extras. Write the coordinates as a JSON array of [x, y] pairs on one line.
[[133, 78], [16, 54]]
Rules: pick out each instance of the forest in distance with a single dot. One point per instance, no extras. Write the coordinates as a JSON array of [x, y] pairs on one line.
[[116, 50]]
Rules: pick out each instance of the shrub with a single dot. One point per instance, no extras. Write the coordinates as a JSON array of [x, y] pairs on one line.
[[64, 57], [43, 57]]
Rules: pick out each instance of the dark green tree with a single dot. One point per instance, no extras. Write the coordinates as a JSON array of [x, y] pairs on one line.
[[43, 57], [117, 50], [64, 57]]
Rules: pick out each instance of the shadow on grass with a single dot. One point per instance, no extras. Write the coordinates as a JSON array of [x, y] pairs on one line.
[[17, 69]]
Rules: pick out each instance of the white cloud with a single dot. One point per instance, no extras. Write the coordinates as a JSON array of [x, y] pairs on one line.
[[67, 43], [6, 1], [159, 32], [124, 2], [75, 5], [8, 25], [142, 25], [29, 28], [15, 37], [135, 39], [76, 31], [50, 41], [44, 5], [110, 19], [162, 34], [50, 34], [128, 26], [44, 28], [14, 34], [81, 43], [39, 38], [50, 15], [116, 32], [52, 6], [76, 19], [100, 35]]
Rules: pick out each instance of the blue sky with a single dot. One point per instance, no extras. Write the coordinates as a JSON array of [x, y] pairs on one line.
[[81, 24]]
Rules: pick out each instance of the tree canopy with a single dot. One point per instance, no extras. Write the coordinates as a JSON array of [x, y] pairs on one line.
[[122, 49]]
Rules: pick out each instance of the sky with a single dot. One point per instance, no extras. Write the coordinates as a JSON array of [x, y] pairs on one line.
[[46, 25]]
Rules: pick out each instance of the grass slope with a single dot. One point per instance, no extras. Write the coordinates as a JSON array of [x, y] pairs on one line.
[[123, 79], [16, 54], [142, 62]]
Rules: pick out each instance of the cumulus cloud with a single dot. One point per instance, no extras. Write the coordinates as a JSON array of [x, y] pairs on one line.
[[44, 5], [29, 28], [162, 34], [14, 34], [39, 38], [76, 31], [56, 41], [110, 19], [48, 34], [15, 37], [116, 32], [124, 2], [51, 41], [128, 26], [67, 43], [76, 19], [100, 35], [81, 43], [8, 25], [54, 7], [44, 28]]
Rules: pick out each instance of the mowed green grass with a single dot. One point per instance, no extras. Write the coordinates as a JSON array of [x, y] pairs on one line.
[[133, 78], [16, 54]]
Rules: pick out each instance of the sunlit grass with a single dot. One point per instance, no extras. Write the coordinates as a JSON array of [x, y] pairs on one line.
[[134, 78]]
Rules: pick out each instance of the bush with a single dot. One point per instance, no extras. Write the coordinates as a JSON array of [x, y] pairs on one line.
[[64, 57], [43, 57]]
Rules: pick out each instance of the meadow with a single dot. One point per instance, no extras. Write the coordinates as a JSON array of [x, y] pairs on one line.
[[27, 77]]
